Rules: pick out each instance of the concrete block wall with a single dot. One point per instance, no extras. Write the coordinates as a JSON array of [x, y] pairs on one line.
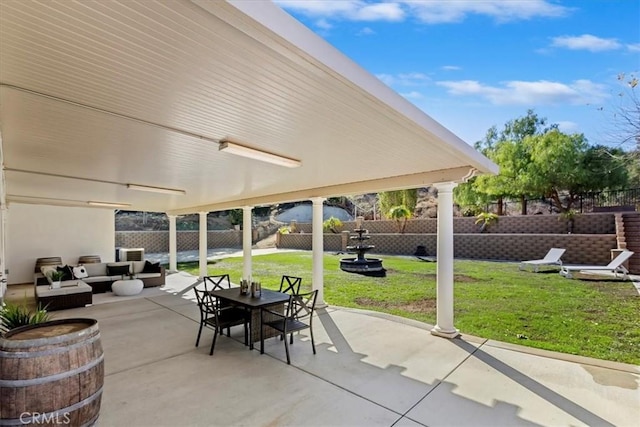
[[581, 248], [158, 241], [591, 223]]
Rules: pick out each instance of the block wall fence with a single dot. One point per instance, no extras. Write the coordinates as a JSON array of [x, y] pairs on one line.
[[512, 238]]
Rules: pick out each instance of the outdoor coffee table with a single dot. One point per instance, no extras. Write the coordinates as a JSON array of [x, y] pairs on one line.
[[72, 294], [273, 299], [127, 287]]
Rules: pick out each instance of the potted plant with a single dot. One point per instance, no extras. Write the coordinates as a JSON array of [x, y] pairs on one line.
[[56, 277], [333, 224], [13, 316], [485, 219]]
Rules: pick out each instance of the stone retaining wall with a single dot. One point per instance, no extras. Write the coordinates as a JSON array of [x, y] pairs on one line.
[[591, 223], [512, 238], [581, 248], [158, 241]]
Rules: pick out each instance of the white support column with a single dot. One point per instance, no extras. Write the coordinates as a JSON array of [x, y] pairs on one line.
[[247, 242], [317, 239], [444, 302], [173, 244], [203, 245]]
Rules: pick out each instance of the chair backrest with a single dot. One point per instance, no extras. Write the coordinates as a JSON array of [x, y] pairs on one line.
[[554, 254], [290, 284], [620, 259], [206, 303], [301, 306], [214, 283]]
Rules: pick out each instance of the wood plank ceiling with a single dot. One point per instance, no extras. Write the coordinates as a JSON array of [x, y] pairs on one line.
[[96, 95]]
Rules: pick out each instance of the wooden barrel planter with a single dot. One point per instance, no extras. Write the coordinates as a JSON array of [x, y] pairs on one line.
[[51, 373]]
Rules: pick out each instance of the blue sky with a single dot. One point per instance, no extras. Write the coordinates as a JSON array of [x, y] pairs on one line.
[[472, 64]]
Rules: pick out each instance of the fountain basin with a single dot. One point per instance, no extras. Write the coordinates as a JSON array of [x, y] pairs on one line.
[[366, 266]]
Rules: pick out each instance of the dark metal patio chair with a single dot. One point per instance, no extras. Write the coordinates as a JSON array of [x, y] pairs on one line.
[[298, 316], [216, 282], [220, 281], [217, 317], [290, 284]]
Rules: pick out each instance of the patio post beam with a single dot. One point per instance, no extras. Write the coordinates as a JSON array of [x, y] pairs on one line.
[[317, 246], [444, 299], [202, 258], [173, 244], [246, 242]]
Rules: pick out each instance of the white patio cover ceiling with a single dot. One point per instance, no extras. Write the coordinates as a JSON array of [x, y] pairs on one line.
[[96, 95]]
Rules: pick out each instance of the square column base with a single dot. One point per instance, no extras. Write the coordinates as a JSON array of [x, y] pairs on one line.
[[445, 334]]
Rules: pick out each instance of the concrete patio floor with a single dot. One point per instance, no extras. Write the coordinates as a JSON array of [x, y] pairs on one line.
[[370, 369]]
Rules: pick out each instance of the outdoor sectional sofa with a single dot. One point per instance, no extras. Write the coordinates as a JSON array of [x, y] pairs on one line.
[[101, 275]]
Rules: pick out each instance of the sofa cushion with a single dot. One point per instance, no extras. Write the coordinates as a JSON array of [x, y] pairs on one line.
[[47, 269], [151, 267], [137, 266], [97, 269], [80, 272], [118, 270], [67, 272]]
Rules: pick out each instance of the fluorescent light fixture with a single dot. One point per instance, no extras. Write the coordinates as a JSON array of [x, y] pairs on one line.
[[252, 153], [156, 189], [109, 204]]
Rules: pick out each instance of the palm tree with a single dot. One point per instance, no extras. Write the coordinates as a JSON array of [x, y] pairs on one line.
[[400, 214]]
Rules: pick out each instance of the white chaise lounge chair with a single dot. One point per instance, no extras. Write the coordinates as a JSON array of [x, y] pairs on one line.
[[551, 258], [615, 266]]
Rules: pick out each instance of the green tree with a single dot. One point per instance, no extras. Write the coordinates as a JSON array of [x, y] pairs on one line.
[[566, 164], [537, 160], [506, 149], [390, 199]]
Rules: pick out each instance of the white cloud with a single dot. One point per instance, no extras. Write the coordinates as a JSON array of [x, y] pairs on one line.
[[353, 10], [379, 12], [586, 42], [451, 68], [634, 47], [429, 12], [412, 95], [568, 127], [445, 11], [532, 93], [323, 24], [366, 31], [404, 79]]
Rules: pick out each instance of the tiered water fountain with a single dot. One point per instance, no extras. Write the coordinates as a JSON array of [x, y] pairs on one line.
[[362, 264]]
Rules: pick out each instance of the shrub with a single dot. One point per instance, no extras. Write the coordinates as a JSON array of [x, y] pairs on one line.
[[486, 219], [333, 224]]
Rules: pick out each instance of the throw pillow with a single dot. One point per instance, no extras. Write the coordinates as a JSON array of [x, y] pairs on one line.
[[67, 272], [151, 267], [80, 272], [117, 270]]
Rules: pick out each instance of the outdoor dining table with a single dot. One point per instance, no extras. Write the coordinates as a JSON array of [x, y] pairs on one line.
[[273, 299]]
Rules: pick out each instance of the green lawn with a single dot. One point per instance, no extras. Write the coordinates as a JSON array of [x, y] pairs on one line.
[[595, 318]]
